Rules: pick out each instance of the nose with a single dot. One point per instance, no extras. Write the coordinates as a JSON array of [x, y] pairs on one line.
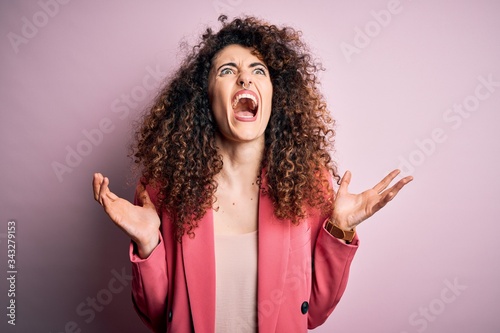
[[245, 80]]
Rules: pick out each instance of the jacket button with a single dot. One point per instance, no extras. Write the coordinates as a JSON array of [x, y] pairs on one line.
[[304, 307], [170, 315]]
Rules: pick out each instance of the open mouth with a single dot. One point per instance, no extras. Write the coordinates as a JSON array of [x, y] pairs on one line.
[[245, 105]]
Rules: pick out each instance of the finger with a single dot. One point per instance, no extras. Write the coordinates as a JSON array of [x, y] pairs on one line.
[[107, 196], [103, 191], [393, 191], [112, 196], [108, 199], [344, 182], [96, 185], [382, 185]]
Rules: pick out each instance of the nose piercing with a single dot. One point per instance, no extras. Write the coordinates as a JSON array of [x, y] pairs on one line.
[[243, 85]]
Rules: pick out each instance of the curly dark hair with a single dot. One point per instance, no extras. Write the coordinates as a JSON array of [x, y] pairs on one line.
[[175, 144]]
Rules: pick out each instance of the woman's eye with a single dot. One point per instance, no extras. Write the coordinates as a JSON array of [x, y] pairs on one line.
[[260, 71], [226, 71]]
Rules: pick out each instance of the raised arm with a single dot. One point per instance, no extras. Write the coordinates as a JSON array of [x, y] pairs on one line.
[[332, 257], [147, 251], [141, 223], [351, 209]]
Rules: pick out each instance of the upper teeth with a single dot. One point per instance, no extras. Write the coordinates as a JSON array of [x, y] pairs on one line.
[[249, 96]]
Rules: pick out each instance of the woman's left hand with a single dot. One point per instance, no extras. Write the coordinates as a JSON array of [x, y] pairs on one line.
[[349, 209]]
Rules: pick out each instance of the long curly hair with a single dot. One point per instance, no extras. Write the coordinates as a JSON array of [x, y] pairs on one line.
[[175, 147]]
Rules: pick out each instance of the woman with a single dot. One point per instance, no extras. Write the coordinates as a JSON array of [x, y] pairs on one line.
[[235, 227]]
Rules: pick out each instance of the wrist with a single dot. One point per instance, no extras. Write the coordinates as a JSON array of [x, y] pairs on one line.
[[346, 234], [144, 249]]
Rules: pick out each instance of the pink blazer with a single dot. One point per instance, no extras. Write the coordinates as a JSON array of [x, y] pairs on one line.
[[302, 274]]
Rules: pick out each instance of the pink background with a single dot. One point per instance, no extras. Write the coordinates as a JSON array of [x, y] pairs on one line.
[[427, 263]]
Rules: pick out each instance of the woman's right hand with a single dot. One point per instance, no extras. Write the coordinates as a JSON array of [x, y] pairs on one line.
[[140, 223]]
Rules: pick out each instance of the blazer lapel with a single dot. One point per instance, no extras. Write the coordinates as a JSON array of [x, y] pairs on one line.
[[199, 266], [274, 243]]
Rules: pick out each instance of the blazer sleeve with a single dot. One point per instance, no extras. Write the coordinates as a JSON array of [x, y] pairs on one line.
[[331, 262], [150, 284]]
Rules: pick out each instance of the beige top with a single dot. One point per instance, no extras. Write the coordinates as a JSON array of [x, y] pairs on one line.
[[236, 283]]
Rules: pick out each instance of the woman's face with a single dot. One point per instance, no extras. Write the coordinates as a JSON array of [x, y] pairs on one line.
[[241, 113]]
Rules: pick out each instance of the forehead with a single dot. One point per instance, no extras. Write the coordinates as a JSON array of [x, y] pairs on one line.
[[236, 53]]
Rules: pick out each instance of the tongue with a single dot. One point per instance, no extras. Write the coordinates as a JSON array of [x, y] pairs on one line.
[[244, 113]]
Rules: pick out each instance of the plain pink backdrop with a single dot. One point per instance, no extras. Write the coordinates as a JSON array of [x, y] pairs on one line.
[[76, 74]]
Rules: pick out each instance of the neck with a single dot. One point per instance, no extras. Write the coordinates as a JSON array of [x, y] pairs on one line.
[[242, 160]]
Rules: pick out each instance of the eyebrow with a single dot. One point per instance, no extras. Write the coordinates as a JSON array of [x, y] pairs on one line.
[[232, 64]]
